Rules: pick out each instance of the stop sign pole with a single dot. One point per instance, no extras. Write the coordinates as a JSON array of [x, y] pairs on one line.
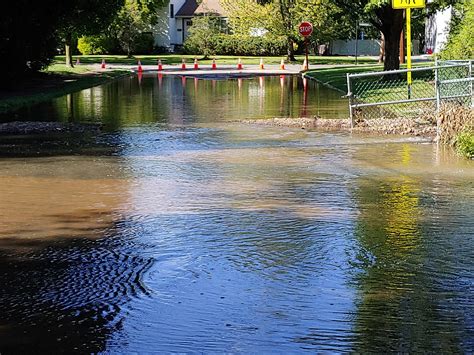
[[305, 29]]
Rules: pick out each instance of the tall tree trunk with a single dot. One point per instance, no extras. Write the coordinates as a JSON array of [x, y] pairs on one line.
[[285, 14], [392, 52], [290, 50], [68, 52], [392, 25]]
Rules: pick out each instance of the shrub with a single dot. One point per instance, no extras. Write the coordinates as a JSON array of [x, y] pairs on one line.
[[461, 39], [465, 144], [144, 43], [94, 45], [225, 44], [203, 36]]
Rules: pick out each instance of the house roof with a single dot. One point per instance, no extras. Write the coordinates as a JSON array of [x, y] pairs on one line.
[[208, 6], [191, 8], [188, 8]]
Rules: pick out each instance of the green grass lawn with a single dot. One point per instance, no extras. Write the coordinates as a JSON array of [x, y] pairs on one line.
[[336, 77], [220, 59], [57, 80]]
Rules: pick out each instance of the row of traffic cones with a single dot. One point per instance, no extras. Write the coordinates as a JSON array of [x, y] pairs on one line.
[[214, 65]]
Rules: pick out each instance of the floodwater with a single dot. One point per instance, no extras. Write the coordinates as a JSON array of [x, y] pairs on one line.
[[180, 230]]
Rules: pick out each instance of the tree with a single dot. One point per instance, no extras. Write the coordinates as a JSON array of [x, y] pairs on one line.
[[281, 17], [202, 35], [27, 43], [329, 21], [134, 18], [387, 20], [85, 17], [461, 38], [288, 24], [246, 16]]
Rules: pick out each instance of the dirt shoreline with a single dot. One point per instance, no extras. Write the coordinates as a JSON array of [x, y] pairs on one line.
[[413, 127], [30, 127], [399, 126]]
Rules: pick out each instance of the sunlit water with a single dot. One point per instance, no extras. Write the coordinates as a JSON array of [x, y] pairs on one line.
[[177, 231]]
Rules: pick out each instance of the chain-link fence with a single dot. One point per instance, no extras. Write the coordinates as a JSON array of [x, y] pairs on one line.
[[388, 95]]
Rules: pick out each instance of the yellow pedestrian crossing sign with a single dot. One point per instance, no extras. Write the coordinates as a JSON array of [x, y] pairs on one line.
[[408, 4]]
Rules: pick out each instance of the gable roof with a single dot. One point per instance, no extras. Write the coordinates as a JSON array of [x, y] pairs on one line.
[[188, 8], [210, 6], [191, 8]]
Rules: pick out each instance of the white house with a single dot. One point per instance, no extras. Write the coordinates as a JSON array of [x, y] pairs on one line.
[[437, 30], [176, 19]]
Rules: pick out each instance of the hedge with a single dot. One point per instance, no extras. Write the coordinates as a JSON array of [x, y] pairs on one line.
[[224, 44]]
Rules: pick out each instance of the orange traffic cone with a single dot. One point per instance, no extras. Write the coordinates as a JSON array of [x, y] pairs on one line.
[[103, 64], [239, 65], [140, 69], [214, 65], [305, 64], [282, 64], [196, 65], [183, 64], [160, 66], [261, 63], [78, 62]]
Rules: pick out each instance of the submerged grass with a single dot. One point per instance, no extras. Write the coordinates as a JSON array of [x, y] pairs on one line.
[[57, 80]]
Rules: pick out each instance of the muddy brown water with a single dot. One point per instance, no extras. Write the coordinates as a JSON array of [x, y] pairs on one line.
[[179, 230]]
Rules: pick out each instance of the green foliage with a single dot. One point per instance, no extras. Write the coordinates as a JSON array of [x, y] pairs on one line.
[[94, 45], [387, 20], [27, 43], [145, 43], [465, 144], [461, 39], [225, 44], [133, 23], [280, 18], [203, 35]]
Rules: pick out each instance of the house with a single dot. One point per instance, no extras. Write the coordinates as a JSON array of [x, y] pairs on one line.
[[437, 30], [176, 19]]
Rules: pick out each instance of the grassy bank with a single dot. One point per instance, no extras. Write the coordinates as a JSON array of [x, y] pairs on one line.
[[53, 82], [336, 77], [174, 59]]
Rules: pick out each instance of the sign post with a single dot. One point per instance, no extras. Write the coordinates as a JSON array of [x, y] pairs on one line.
[[408, 5], [306, 29]]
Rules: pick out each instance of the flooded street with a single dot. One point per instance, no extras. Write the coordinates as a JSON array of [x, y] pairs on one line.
[[179, 229]]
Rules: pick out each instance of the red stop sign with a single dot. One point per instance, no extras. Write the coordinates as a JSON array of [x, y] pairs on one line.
[[305, 29]]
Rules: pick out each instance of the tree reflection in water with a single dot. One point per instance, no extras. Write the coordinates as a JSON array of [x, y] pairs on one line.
[[402, 305]]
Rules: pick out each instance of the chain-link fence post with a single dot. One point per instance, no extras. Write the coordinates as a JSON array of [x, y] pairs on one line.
[[438, 102], [349, 95], [472, 84], [437, 89]]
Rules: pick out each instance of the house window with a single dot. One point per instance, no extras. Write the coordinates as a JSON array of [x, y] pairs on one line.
[[189, 23], [171, 10]]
